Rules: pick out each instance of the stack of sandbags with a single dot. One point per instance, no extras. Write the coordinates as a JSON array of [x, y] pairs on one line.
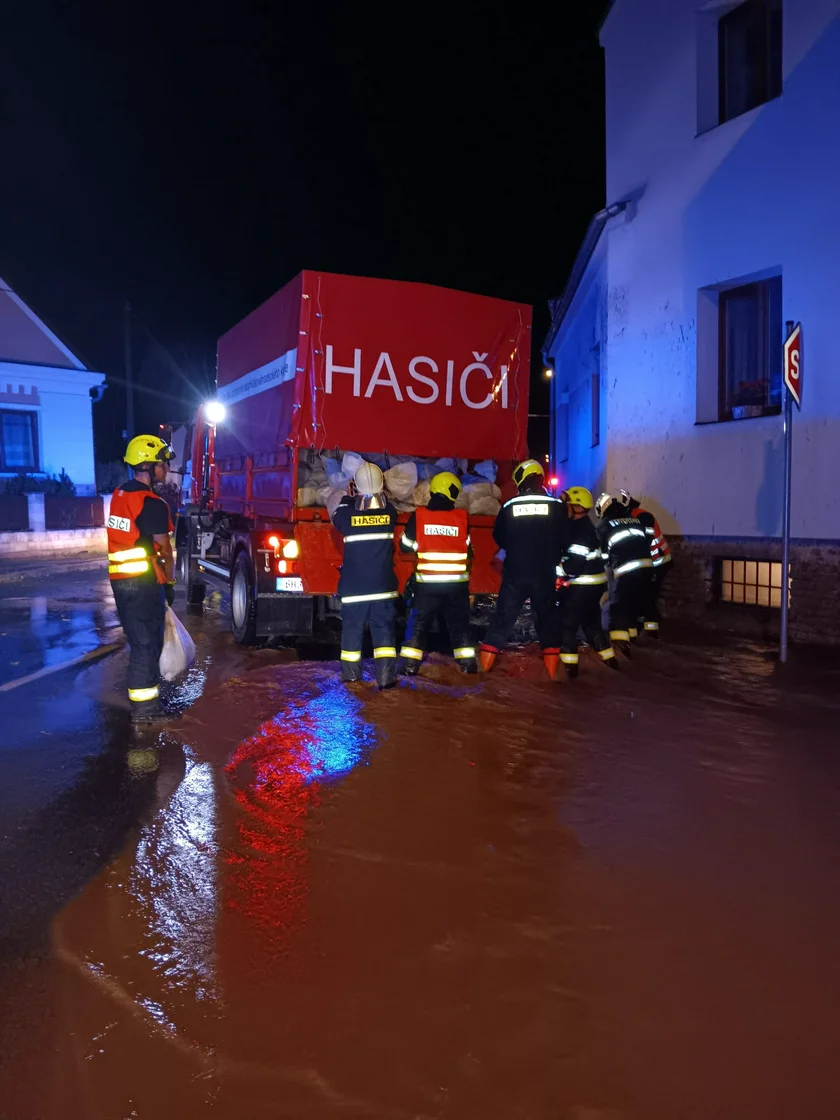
[[400, 482], [422, 493]]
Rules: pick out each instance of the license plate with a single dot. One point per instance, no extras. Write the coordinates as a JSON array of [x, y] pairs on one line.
[[289, 583]]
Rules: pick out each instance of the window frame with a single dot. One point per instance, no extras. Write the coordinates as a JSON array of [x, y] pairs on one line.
[[764, 22], [774, 589], [725, 295], [35, 466]]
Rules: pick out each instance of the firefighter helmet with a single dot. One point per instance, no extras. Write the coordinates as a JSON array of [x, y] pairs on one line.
[[526, 469], [578, 496], [145, 451], [447, 484], [603, 503], [369, 479], [625, 498]]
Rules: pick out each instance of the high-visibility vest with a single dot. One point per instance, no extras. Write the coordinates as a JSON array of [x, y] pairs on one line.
[[660, 550], [443, 543], [128, 557]]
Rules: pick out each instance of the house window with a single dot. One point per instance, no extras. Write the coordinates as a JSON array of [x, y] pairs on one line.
[[750, 350], [595, 394], [18, 441], [756, 583], [749, 57]]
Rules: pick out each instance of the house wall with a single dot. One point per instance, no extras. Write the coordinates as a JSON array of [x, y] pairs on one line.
[[61, 399]]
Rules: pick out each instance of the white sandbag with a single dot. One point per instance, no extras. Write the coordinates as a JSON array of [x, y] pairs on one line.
[[476, 490], [307, 496], [178, 647], [403, 507], [487, 470], [400, 481], [351, 463], [461, 502], [326, 491], [422, 493]]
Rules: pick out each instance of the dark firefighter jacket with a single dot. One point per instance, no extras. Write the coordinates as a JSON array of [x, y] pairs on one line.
[[532, 529], [367, 571], [582, 563], [624, 543]]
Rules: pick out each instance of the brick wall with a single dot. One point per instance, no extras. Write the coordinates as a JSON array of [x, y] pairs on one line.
[[68, 540], [691, 593]]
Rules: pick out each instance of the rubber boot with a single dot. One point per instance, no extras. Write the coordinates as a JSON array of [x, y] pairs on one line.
[[572, 672], [551, 659], [469, 665], [487, 658], [410, 668], [613, 664], [624, 647], [385, 669], [147, 711]]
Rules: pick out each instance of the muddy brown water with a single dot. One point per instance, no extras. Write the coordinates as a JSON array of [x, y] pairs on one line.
[[461, 899]]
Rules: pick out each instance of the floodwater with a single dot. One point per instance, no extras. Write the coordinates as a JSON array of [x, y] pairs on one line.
[[465, 898]]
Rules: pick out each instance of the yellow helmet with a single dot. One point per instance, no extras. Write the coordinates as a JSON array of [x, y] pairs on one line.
[[526, 469], [578, 496], [148, 449], [447, 484]]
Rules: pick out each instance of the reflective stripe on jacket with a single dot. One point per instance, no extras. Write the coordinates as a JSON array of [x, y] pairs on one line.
[[129, 555], [624, 544], [660, 550], [582, 563], [367, 569], [442, 546]]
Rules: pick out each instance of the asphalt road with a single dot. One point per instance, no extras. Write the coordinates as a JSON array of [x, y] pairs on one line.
[[494, 897]]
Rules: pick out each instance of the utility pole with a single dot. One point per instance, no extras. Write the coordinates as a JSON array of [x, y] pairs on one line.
[[129, 383], [792, 362]]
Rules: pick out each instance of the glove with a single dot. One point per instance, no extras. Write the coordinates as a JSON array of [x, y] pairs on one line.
[[169, 588], [560, 583]]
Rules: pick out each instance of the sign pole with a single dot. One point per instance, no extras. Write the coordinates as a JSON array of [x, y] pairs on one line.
[[792, 358], [788, 426]]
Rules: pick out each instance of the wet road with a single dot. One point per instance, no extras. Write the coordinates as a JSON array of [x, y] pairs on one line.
[[503, 898]]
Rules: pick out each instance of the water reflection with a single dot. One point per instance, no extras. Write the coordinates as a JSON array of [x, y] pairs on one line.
[[278, 776], [35, 634], [174, 880]]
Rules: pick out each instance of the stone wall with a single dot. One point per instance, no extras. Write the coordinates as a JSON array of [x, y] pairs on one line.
[[691, 593]]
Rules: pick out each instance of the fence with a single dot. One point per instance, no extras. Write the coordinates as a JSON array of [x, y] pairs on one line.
[[62, 512], [14, 513]]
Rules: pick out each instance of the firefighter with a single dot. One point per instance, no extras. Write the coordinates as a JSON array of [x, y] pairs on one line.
[[367, 586], [531, 529], [660, 554], [141, 568], [581, 581], [438, 535], [624, 545]]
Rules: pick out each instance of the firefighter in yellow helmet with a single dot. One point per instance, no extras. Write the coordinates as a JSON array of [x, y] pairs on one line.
[[531, 529], [438, 535], [140, 566], [581, 581]]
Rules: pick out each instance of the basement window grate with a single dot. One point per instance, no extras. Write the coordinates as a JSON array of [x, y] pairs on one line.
[[756, 583]]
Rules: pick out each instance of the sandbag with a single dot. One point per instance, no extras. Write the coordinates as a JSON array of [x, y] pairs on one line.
[[400, 481], [333, 500], [487, 470], [483, 506], [307, 496], [178, 647], [350, 463], [422, 493]]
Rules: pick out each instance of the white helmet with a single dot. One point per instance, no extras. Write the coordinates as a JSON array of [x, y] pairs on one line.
[[625, 497], [602, 504], [369, 480]]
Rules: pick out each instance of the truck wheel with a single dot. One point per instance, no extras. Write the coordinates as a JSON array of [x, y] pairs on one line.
[[243, 603], [188, 572]]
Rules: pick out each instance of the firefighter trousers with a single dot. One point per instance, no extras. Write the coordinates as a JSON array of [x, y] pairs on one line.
[[580, 609], [631, 600], [514, 592], [653, 618], [451, 603], [141, 608], [379, 615]]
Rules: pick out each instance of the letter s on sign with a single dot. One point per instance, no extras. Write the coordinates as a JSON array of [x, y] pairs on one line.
[[478, 364], [412, 369]]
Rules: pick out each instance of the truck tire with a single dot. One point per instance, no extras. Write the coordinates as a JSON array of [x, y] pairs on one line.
[[243, 602], [193, 585]]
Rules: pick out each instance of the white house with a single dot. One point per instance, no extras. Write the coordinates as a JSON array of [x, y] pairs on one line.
[[46, 415], [723, 170]]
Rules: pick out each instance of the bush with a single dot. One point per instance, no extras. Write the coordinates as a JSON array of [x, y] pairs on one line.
[[53, 484], [109, 475]]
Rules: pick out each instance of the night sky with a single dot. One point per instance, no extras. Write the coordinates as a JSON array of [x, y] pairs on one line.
[[193, 158]]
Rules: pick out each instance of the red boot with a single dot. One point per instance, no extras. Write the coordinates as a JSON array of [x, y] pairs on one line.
[[487, 657], [551, 659]]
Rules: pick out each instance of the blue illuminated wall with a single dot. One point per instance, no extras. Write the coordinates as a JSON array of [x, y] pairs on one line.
[[754, 197]]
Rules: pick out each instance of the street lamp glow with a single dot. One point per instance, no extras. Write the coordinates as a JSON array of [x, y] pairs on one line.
[[548, 373], [214, 411]]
